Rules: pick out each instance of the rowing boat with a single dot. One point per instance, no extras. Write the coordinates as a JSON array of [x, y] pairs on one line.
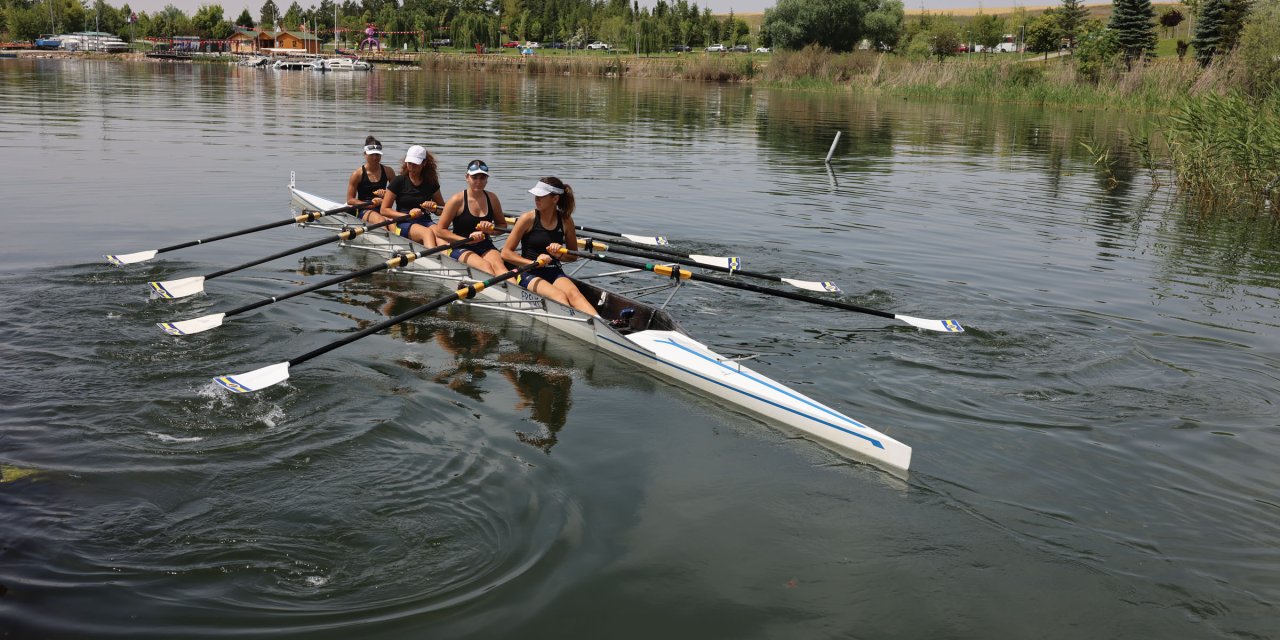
[[646, 336]]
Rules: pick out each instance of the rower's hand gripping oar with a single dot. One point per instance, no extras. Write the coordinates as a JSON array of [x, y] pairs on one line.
[[143, 256], [828, 287], [213, 321], [184, 287], [947, 326], [279, 372]]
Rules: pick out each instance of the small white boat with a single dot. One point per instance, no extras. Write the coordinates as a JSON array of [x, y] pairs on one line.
[[254, 61], [646, 336], [292, 64], [341, 64]]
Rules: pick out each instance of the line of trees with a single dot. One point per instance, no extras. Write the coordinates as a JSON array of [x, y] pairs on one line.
[[575, 22]]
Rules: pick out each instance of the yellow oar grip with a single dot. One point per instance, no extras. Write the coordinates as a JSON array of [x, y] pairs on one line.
[[668, 270]]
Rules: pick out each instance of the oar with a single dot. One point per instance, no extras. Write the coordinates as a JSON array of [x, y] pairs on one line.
[[184, 287], [213, 321], [648, 241], [950, 326], [143, 256], [279, 372], [807, 285]]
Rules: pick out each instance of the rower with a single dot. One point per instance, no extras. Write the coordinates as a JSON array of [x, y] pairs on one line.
[[417, 191], [540, 234], [368, 183], [475, 213]]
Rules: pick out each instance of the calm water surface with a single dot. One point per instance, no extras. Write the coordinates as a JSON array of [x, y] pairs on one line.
[[1094, 458]]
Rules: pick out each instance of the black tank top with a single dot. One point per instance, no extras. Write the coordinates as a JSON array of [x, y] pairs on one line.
[[464, 224], [535, 241], [366, 187], [409, 197]]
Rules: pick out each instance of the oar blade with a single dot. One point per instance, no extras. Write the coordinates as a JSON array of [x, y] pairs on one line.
[[824, 287], [733, 262], [945, 326], [194, 325], [122, 259], [180, 288], [656, 241], [255, 380]]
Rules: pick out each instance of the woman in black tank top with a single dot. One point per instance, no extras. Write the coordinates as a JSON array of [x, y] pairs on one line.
[[415, 191], [369, 182], [544, 231], [474, 213]]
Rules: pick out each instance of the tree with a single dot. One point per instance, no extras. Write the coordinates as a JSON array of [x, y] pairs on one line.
[[1071, 17], [944, 38], [1208, 38], [1042, 34], [1171, 18], [245, 20], [1133, 22], [884, 25], [1259, 42], [836, 24], [988, 30], [269, 15], [206, 20]]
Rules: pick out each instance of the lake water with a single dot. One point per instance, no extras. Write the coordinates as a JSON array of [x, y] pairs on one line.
[[1094, 458]]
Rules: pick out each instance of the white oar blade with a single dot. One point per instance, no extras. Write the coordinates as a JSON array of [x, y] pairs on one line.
[[826, 287], [732, 263], [256, 379], [177, 288], [130, 258], [194, 325], [651, 240], [945, 326]]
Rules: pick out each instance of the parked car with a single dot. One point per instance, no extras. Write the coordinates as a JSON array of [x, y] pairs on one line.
[[557, 45], [680, 48], [742, 48], [598, 45], [514, 44], [762, 49], [531, 45], [1006, 47], [441, 42], [716, 47]]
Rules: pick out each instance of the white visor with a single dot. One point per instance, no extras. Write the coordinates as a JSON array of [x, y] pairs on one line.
[[415, 155], [542, 189], [371, 149]]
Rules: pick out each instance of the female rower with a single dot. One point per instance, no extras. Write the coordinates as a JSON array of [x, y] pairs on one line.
[[542, 232], [416, 189], [368, 183], [474, 213]]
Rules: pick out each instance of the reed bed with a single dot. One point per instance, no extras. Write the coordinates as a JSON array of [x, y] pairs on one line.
[[1225, 151]]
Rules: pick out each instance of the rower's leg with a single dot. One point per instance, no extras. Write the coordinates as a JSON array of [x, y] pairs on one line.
[[493, 261], [548, 291], [423, 235], [470, 259], [574, 297]]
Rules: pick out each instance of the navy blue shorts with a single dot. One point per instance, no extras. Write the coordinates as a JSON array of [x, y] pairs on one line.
[[479, 248], [550, 273], [402, 228]]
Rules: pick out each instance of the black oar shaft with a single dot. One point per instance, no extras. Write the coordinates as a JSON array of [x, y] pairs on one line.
[[461, 294], [689, 275], [398, 261], [634, 245], [309, 216], [343, 235]]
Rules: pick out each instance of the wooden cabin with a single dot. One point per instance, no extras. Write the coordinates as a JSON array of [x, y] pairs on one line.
[[246, 40]]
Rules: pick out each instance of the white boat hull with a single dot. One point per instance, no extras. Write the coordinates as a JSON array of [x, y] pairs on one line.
[[664, 349]]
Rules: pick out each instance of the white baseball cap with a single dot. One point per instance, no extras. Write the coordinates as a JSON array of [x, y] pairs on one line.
[[415, 155], [372, 149]]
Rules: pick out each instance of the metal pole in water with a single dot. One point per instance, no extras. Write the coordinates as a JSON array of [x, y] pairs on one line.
[[833, 148]]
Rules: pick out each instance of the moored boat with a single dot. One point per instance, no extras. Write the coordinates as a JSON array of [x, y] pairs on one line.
[[644, 335]]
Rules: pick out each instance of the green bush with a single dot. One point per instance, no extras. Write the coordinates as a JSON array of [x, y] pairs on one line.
[[1259, 49]]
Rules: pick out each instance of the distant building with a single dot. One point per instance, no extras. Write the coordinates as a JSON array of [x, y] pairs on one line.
[[246, 40]]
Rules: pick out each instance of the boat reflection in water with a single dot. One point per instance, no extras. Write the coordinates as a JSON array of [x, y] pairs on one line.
[[542, 382]]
